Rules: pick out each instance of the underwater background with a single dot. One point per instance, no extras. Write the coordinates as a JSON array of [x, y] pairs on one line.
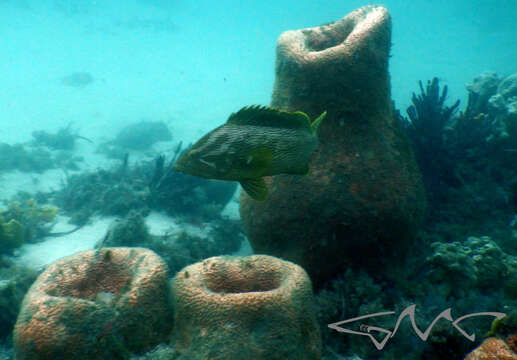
[[98, 100]]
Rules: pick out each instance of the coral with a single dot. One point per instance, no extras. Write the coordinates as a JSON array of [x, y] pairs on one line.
[[24, 159], [480, 90], [128, 231], [256, 307], [476, 262], [428, 120], [488, 260], [506, 326], [492, 349], [471, 180], [508, 89], [180, 248], [95, 305], [142, 135], [363, 192], [14, 283], [64, 139], [429, 117], [35, 221], [504, 110], [510, 278], [11, 235], [512, 342], [34, 159], [141, 187], [451, 267]]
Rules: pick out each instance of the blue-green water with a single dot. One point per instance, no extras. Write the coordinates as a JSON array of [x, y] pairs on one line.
[[105, 72], [194, 62]]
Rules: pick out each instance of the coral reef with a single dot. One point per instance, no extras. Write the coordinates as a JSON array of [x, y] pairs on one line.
[[511, 341], [492, 349], [142, 135], [30, 221], [95, 305], [477, 262], [429, 118], [64, 139], [470, 178], [18, 157], [180, 248], [11, 235], [141, 187], [14, 283], [256, 307], [357, 293], [363, 197], [506, 326], [34, 159], [480, 90]]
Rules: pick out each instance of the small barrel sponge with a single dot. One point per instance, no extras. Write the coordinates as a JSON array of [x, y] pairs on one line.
[[96, 304], [255, 307]]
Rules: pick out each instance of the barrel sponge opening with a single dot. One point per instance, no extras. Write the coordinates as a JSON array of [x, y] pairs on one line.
[[256, 307], [95, 304]]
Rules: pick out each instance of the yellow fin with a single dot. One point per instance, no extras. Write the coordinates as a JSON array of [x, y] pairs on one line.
[[271, 117], [316, 123], [255, 188], [259, 158]]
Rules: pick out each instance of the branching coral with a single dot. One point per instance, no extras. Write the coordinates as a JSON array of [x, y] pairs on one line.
[[428, 121], [429, 117]]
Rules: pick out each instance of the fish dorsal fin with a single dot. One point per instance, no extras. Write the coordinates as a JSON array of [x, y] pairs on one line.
[[258, 115], [255, 188]]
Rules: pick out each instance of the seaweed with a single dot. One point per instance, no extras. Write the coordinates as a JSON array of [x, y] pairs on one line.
[[14, 283], [18, 157], [11, 235], [34, 159], [145, 186], [178, 248], [64, 139], [429, 119], [35, 220]]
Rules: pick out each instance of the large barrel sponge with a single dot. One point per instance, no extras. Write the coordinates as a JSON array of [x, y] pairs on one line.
[[95, 305], [256, 307], [363, 198]]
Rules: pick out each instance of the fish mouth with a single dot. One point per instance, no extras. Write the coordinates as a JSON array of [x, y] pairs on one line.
[[196, 167], [180, 165]]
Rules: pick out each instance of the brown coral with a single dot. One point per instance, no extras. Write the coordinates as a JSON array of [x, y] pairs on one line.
[[492, 349], [95, 305], [363, 197], [512, 342], [240, 308]]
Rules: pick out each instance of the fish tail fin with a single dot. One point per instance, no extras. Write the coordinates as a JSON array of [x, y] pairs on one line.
[[316, 123]]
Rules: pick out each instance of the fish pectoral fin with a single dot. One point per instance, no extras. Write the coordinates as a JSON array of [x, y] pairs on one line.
[[260, 158], [255, 188], [316, 123]]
